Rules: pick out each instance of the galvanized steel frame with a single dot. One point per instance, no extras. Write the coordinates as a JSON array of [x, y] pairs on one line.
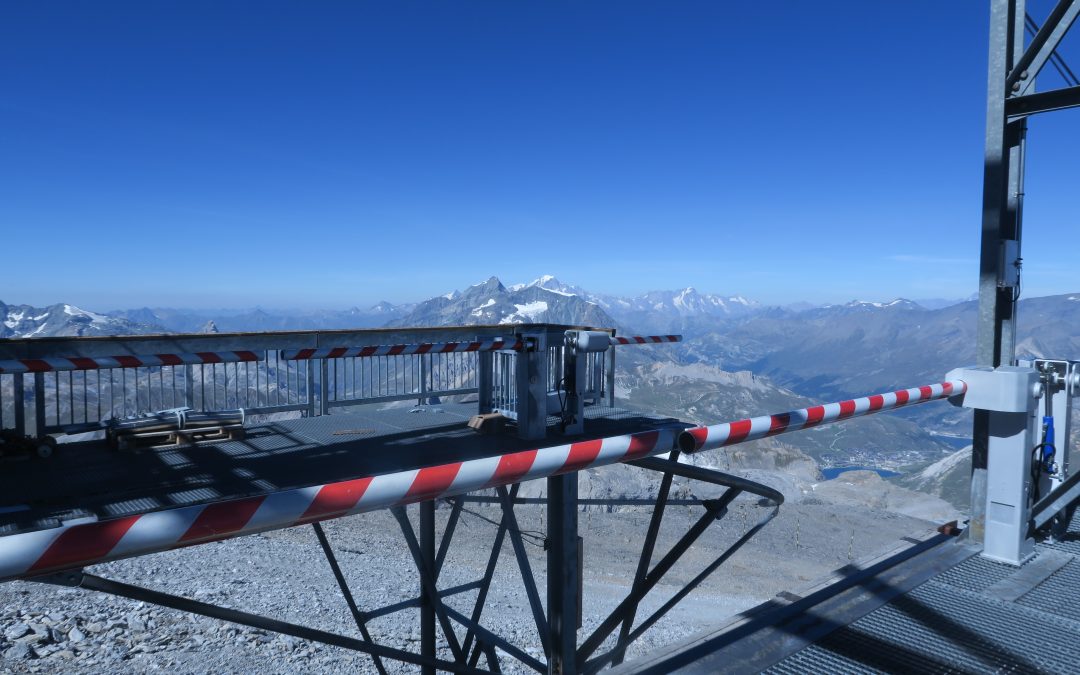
[[1013, 67], [556, 626]]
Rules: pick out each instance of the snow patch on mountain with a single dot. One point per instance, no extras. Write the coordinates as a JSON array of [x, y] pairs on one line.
[[479, 311], [529, 312]]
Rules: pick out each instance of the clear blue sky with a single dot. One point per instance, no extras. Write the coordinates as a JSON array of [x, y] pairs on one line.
[[337, 153]]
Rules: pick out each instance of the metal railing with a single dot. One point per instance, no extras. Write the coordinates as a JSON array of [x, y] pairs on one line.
[[77, 384]]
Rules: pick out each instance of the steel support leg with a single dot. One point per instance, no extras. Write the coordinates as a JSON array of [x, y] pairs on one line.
[[1000, 222], [429, 589], [428, 600], [489, 573], [361, 620], [525, 568], [562, 574], [645, 559], [95, 583]]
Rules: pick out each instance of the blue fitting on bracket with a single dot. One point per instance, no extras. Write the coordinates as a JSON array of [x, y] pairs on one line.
[[1049, 451]]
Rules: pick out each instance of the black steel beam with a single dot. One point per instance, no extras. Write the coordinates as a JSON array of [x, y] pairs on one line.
[[1044, 101], [583, 501], [448, 535], [562, 573], [427, 582], [415, 602], [527, 578], [489, 638], [997, 305], [428, 592], [1064, 496], [713, 511], [95, 583], [645, 560], [710, 476], [1027, 68], [358, 616], [599, 662], [489, 573]]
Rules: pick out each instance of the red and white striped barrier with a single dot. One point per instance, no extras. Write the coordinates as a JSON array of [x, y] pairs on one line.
[[730, 433], [446, 348], [51, 364], [72, 546], [644, 339], [398, 350]]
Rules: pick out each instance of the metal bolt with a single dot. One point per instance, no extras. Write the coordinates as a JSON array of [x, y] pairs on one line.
[[1016, 86], [1024, 75]]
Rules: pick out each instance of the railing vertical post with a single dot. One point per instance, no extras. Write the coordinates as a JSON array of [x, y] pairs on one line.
[[189, 386], [324, 387], [425, 373], [20, 405], [562, 573], [532, 381], [485, 381], [310, 389], [611, 377], [39, 404], [596, 377]]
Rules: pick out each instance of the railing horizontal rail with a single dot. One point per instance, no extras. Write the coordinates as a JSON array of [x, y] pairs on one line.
[[62, 363], [344, 403], [403, 350]]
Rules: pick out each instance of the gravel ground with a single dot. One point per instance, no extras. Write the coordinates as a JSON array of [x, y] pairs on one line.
[[282, 574]]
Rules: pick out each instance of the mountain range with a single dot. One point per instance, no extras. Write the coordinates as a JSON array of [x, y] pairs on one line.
[[739, 358]]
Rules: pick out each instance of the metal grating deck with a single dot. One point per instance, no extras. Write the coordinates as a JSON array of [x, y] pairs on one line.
[[938, 608], [88, 480]]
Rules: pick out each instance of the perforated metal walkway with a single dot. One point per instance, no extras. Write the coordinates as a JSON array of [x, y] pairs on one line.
[[88, 480], [937, 608]]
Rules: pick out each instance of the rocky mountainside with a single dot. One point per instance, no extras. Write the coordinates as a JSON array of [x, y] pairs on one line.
[[846, 350], [20, 321], [948, 478]]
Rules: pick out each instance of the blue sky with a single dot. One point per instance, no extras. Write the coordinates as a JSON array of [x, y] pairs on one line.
[[331, 154]]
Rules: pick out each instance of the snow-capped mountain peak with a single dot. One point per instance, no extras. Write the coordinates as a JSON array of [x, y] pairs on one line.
[[64, 320]]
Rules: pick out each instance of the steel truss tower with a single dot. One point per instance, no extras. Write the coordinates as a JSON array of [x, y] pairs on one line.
[[1011, 97]]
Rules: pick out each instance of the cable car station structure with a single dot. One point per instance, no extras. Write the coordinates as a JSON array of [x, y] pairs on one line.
[[227, 464]]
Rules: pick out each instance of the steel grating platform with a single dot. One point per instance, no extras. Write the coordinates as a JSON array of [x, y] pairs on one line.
[[937, 608], [88, 480]]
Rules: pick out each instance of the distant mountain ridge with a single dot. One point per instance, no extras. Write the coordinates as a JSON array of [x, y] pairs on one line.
[[545, 299], [67, 320], [491, 303]]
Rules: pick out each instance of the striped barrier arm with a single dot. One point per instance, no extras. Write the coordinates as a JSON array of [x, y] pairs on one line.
[[72, 546], [731, 433], [398, 350], [52, 364], [644, 339]]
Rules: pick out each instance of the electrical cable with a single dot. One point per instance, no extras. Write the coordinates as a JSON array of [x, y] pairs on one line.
[[534, 537]]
